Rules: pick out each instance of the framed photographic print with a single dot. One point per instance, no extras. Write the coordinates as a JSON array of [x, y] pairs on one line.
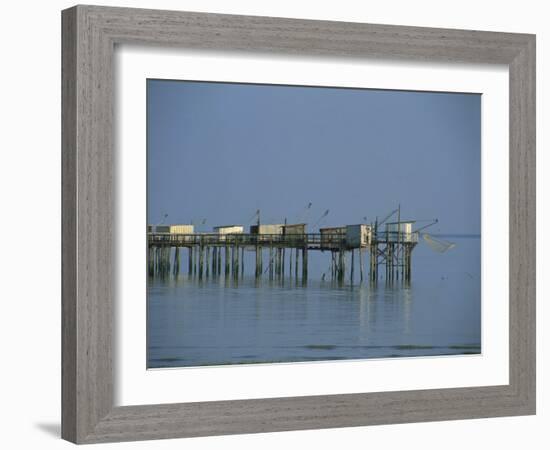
[[278, 224]]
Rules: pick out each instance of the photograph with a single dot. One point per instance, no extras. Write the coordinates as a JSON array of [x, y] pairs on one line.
[[292, 224], [270, 225]]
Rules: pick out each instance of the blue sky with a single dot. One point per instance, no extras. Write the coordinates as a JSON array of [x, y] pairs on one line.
[[220, 151]]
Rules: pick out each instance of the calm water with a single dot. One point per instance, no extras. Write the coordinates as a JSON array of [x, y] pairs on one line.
[[219, 321]]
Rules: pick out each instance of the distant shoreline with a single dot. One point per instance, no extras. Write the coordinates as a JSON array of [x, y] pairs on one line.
[[455, 235]]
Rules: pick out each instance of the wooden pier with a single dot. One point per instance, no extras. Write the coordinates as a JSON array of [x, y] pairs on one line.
[[211, 254]]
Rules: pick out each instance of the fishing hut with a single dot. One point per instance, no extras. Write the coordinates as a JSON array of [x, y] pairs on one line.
[[175, 229], [294, 229], [331, 238], [400, 231], [343, 239], [223, 230], [393, 248], [266, 229], [358, 236]]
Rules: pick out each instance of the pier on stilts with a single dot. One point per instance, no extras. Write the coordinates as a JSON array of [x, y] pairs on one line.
[[284, 249]]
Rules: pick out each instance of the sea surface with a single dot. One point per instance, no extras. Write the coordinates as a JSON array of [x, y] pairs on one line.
[[218, 321]]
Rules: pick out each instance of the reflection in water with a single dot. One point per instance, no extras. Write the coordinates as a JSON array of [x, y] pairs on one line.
[[241, 321]]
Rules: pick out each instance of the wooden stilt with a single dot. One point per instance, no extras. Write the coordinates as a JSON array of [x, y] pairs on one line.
[[304, 263], [296, 264], [271, 263], [351, 273], [201, 261], [176, 261], [207, 262], [227, 262], [361, 262], [242, 262], [257, 272], [290, 264], [236, 261]]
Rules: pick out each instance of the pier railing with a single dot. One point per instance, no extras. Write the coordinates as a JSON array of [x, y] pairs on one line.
[[240, 239], [314, 241]]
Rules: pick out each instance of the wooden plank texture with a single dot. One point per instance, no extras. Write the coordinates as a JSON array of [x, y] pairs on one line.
[[68, 226]]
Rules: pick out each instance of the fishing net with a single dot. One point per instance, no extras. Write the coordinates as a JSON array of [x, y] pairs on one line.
[[438, 245]]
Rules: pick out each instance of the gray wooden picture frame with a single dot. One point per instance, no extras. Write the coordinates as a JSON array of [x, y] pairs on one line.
[[89, 37]]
